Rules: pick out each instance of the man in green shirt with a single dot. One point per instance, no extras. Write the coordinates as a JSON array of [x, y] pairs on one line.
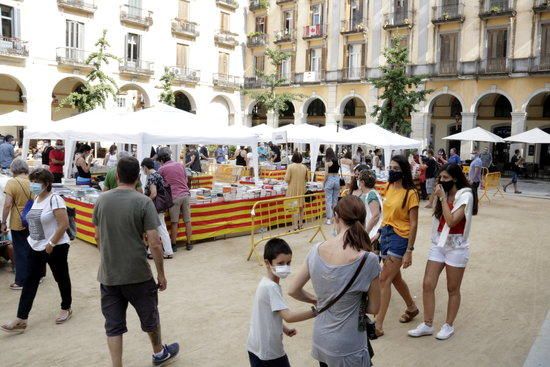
[[110, 179]]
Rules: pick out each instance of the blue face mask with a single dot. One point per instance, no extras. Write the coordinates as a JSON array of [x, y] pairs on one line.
[[36, 188]]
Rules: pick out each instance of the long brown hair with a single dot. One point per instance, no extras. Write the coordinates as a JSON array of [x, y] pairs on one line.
[[351, 210]]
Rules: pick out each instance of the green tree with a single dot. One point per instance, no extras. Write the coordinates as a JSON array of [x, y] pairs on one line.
[[167, 96], [400, 91], [268, 96], [98, 85]]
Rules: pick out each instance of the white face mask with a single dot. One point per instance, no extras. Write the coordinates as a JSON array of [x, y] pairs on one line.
[[282, 271]]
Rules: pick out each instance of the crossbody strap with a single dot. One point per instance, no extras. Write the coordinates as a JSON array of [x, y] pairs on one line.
[[347, 287]]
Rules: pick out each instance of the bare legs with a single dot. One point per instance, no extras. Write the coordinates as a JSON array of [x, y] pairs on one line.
[[454, 280], [115, 346], [391, 274], [174, 233], [156, 340]]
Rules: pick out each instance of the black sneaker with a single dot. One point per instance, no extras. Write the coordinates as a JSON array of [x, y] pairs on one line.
[[169, 352], [174, 247], [189, 247]]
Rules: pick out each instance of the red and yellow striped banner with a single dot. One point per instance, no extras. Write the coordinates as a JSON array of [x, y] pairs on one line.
[[202, 182], [273, 174]]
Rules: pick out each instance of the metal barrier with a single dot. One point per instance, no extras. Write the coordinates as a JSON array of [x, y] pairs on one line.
[[271, 218], [491, 181]]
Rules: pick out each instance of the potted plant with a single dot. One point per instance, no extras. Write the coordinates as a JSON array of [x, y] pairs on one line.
[[495, 9], [445, 15]]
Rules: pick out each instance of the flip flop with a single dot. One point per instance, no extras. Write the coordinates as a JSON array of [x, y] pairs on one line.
[[61, 320], [408, 316]]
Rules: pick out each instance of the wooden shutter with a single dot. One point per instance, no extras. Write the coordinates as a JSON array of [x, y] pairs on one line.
[[453, 45], [346, 56], [126, 47], [363, 55], [183, 11], [292, 65], [181, 55], [138, 48], [16, 23], [545, 40], [323, 60], [503, 43], [308, 59], [224, 22]]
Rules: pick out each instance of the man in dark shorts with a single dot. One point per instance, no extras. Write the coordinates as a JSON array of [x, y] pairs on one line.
[[516, 166], [121, 217]]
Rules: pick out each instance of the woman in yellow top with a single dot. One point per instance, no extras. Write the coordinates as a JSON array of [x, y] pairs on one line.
[[296, 177], [397, 237]]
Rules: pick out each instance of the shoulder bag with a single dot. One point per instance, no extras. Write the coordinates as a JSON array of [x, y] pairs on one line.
[[163, 201], [71, 214], [26, 208]]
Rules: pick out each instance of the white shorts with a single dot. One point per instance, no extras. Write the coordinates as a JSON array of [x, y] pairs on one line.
[[452, 256]]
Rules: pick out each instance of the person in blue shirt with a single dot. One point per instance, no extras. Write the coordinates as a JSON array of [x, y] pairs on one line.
[[475, 173], [7, 152], [220, 155], [262, 153], [454, 158]]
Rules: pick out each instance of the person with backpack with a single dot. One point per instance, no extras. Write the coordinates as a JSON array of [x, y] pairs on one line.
[[48, 223], [46, 149], [155, 188], [342, 271]]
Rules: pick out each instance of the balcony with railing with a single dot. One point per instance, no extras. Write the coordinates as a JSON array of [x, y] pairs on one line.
[[256, 40], [315, 31], [253, 82], [398, 19], [448, 13], [88, 7], [226, 38], [140, 68], [495, 65], [310, 77], [284, 36], [258, 5], [541, 6], [355, 73], [447, 67], [350, 26], [185, 28], [230, 4], [541, 63], [185, 75], [279, 2], [497, 8], [136, 16], [287, 78], [73, 57], [13, 48], [226, 81]]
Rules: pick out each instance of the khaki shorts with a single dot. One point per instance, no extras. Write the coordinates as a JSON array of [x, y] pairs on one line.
[[181, 205]]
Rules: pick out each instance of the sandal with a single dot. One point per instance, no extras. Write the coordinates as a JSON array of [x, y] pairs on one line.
[[379, 333], [14, 327], [62, 319], [408, 316], [168, 256]]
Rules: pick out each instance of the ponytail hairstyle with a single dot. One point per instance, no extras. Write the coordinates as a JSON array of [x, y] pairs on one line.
[[407, 182], [461, 182], [351, 210]]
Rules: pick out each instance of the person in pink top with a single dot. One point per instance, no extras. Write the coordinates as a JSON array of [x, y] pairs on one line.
[[174, 175]]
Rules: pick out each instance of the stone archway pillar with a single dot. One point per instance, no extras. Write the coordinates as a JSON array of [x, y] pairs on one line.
[[468, 122], [272, 119], [299, 118], [518, 126], [333, 118], [420, 125]]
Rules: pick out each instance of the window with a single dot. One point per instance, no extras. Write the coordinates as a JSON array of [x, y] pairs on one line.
[[7, 29], [259, 63], [261, 25], [286, 66], [288, 21], [121, 102], [223, 63], [497, 43], [545, 41], [74, 34], [315, 59], [316, 14], [224, 26], [183, 9], [133, 47], [134, 8], [448, 53], [182, 55], [356, 13]]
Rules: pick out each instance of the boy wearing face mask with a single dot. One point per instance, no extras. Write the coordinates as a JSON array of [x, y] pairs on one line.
[[265, 339]]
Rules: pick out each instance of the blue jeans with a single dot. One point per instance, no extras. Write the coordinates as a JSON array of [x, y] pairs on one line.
[[391, 244], [332, 191], [21, 251]]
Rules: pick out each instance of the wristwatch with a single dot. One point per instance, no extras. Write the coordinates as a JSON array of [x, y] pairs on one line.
[[314, 310]]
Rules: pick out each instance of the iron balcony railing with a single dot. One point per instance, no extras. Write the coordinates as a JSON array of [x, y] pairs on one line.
[[138, 67], [256, 40], [447, 67], [72, 56], [134, 15], [233, 4], [496, 65], [492, 8], [258, 4], [448, 13], [353, 26], [315, 31], [541, 5], [284, 1], [310, 77], [13, 47], [185, 75], [226, 81], [225, 37], [399, 18], [544, 62], [185, 27], [88, 6], [286, 35], [253, 83], [355, 73]]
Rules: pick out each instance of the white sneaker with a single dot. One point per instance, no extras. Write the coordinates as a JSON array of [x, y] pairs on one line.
[[421, 330], [446, 332]]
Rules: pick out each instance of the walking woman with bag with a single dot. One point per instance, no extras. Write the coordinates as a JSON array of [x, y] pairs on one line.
[[48, 223], [450, 247], [398, 234], [157, 191], [342, 272], [332, 183]]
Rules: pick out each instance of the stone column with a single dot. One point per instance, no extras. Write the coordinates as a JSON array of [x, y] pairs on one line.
[[333, 118], [468, 122], [272, 119], [518, 126], [420, 125], [248, 119], [299, 118]]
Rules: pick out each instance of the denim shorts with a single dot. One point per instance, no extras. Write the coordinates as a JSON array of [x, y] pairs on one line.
[[391, 244]]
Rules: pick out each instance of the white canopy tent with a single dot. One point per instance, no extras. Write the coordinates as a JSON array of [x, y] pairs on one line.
[[15, 118], [263, 131], [533, 136], [476, 134]]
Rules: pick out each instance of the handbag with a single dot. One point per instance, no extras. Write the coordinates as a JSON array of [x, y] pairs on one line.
[[71, 214], [26, 208], [163, 201], [342, 181]]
